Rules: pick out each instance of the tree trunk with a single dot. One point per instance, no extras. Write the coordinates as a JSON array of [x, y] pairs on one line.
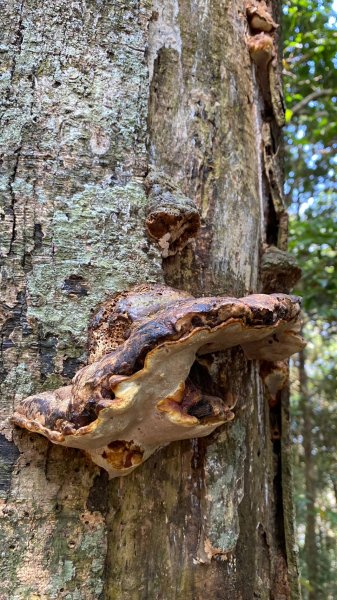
[[310, 546], [95, 94]]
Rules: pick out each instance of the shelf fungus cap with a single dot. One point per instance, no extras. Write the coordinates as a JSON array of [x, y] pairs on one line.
[[172, 219], [136, 395], [259, 17], [261, 48], [279, 270], [275, 376]]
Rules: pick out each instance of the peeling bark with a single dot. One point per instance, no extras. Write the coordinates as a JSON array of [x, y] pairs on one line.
[[94, 95]]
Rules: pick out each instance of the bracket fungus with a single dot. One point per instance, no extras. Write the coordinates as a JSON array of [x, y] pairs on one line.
[[279, 270], [173, 219], [135, 395], [275, 376], [259, 17], [261, 49]]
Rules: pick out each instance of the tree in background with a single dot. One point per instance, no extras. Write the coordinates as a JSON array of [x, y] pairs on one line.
[[310, 61]]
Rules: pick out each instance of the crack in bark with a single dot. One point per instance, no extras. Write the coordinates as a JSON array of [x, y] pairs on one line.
[[13, 198], [19, 40]]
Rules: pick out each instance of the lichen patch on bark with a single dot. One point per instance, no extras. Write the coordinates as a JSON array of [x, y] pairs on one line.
[[74, 152]]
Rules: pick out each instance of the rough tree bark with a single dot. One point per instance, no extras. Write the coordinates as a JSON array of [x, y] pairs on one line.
[[95, 93]]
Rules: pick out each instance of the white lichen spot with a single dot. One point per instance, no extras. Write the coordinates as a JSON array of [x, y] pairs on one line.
[[99, 141]]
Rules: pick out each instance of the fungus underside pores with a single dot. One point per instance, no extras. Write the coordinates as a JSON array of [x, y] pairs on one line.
[[135, 394]]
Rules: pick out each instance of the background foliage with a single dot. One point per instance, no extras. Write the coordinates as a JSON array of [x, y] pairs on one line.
[[310, 76]]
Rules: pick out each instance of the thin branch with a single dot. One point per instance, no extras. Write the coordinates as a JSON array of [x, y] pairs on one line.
[[313, 96]]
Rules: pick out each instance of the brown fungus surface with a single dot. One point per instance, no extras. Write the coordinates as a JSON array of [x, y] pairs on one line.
[[261, 48], [279, 270], [172, 219], [135, 395], [259, 17], [275, 377]]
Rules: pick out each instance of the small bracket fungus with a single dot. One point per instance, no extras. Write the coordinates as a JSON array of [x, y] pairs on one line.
[[261, 48], [136, 394], [275, 377], [279, 270], [263, 51], [172, 219], [259, 17]]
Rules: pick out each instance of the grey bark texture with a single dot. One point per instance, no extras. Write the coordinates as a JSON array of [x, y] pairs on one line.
[[95, 95]]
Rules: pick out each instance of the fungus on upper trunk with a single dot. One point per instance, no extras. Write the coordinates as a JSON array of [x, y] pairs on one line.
[[259, 17], [279, 270], [261, 49], [173, 219], [135, 395]]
